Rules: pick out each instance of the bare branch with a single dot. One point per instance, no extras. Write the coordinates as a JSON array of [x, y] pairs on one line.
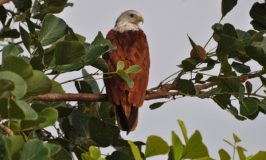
[[161, 91], [4, 1], [71, 97]]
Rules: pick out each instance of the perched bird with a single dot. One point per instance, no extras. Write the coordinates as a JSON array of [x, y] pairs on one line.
[[131, 48]]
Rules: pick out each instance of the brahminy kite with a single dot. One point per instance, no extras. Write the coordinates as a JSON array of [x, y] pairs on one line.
[[131, 48]]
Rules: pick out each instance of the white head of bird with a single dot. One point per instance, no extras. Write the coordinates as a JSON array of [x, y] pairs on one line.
[[128, 20]]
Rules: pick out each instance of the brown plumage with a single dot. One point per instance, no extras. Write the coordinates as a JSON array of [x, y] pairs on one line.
[[132, 48]]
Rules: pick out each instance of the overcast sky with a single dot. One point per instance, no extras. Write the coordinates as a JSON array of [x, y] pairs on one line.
[[166, 24]]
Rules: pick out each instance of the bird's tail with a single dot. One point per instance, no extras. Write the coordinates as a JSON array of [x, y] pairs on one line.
[[127, 123]]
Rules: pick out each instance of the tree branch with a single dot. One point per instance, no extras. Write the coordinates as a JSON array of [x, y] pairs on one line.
[[161, 91], [4, 1]]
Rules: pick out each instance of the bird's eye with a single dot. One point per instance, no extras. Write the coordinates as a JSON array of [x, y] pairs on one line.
[[132, 15]]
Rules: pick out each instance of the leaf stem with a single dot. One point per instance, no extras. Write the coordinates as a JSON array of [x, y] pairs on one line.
[[208, 41], [169, 76], [258, 89]]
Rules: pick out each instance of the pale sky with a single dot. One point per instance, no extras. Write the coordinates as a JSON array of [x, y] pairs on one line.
[[166, 24]]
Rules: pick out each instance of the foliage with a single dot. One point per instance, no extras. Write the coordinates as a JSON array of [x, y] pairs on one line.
[[38, 46]]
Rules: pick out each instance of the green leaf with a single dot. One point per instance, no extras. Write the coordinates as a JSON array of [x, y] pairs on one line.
[[120, 155], [26, 39], [233, 110], [6, 85], [258, 13], [194, 45], [227, 6], [185, 86], [156, 105], [98, 47], [22, 5], [9, 33], [63, 154], [210, 93], [122, 74], [249, 106], [226, 45], [12, 146], [57, 87], [260, 41], [67, 52], [72, 36], [31, 26], [106, 112], [50, 115], [53, 149], [133, 69], [240, 68], [135, 151], [55, 6], [245, 37], [223, 100], [41, 59], [80, 122], [4, 104], [262, 105], [120, 66], [210, 65], [236, 138], [183, 129], [241, 154], [22, 110], [195, 148], [102, 133], [224, 155], [257, 54], [229, 30], [91, 81], [20, 86], [100, 40], [31, 124], [3, 15], [53, 28], [18, 65], [263, 80], [177, 146], [39, 83], [229, 143], [190, 63], [259, 156], [11, 50], [93, 154], [34, 149], [230, 84], [198, 77], [155, 146], [88, 85], [100, 64]]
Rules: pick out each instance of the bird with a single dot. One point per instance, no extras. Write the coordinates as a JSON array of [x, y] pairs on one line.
[[132, 48]]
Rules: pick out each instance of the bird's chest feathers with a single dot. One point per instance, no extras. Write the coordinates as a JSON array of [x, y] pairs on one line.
[[128, 40]]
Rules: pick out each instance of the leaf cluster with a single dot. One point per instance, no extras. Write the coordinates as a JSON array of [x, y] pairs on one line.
[[239, 57]]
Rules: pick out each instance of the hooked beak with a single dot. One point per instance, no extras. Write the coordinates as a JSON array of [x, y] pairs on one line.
[[140, 19]]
